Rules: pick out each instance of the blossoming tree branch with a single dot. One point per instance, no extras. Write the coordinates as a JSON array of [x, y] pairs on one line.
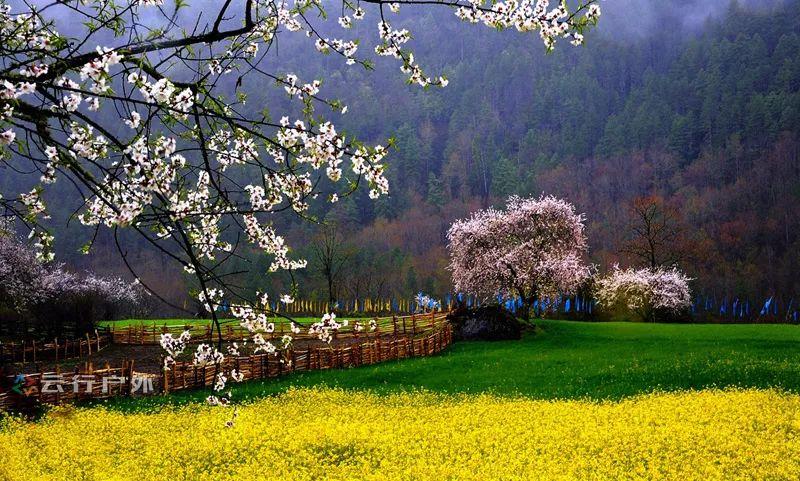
[[171, 167]]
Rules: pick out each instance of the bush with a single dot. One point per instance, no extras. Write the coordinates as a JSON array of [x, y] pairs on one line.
[[487, 323], [655, 295]]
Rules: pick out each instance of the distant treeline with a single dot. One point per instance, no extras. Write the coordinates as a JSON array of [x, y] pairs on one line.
[[704, 308]]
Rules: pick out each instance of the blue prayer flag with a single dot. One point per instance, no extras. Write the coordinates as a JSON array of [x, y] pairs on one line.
[[765, 309]]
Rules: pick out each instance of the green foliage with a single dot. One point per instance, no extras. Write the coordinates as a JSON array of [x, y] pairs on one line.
[[506, 179], [435, 191]]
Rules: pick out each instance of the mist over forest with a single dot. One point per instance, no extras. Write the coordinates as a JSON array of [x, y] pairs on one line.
[[694, 103]]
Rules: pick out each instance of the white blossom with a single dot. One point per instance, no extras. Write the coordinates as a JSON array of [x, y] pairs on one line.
[[644, 291], [326, 328], [134, 121], [7, 136]]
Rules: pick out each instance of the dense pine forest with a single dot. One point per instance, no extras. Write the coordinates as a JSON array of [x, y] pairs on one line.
[[700, 120]]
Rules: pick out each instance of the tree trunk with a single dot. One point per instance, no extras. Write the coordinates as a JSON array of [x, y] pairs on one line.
[[527, 305], [525, 311], [331, 299]]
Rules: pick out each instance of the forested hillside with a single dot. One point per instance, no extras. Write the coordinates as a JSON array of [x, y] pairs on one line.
[[703, 118]]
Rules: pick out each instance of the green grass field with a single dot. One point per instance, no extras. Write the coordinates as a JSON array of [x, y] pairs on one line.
[[565, 359], [200, 322], [178, 322]]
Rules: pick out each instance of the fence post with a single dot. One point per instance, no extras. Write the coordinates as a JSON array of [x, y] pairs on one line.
[[130, 377], [89, 343], [164, 381], [262, 369], [39, 386]]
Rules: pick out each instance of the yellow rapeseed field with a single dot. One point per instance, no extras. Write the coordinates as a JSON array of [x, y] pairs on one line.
[[331, 434]]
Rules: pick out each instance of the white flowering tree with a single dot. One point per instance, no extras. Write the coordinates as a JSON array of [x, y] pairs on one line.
[[22, 276], [532, 249], [644, 292], [49, 300], [171, 165]]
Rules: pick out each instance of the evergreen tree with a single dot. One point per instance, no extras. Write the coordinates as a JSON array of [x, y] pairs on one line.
[[435, 191]]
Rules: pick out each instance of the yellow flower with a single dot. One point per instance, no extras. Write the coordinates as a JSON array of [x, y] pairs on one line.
[[332, 434]]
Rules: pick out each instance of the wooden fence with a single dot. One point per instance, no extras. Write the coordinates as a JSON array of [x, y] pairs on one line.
[[64, 387], [57, 350], [185, 375], [151, 334], [394, 338]]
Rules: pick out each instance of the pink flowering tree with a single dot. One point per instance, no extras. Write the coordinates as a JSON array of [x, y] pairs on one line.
[[532, 249], [187, 163], [648, 293]]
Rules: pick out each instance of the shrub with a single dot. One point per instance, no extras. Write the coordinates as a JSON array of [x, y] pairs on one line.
[[486, 323], [651, 294]]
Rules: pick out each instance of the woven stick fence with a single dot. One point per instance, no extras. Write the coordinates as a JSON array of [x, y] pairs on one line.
[[58, 387], [57, 350], [185, 375], [393, 338]]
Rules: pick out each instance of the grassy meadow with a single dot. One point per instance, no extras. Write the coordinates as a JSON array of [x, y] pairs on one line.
[[573, 360], [191, 322]]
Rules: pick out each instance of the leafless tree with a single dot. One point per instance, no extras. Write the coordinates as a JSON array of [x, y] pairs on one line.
[[331, 254], [657, 236]]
